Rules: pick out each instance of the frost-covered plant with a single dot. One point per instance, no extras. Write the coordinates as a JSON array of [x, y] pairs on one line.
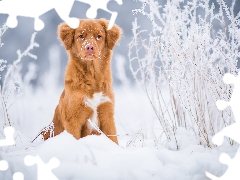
[[181, 64], [11, 79]]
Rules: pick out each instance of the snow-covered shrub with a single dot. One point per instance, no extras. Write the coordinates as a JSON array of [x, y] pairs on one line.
[[181, 63], [12, 82]]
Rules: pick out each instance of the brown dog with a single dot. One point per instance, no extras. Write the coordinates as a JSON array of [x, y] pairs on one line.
[[88, 92]]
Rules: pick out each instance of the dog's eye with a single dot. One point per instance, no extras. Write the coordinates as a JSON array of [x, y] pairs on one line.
[[81, 36], [98, 37]]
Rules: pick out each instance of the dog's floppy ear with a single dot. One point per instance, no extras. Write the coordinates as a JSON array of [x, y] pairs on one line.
[[66, 35], [112, 35]]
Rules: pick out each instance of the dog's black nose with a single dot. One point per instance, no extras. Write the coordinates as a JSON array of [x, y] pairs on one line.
[[90, 48]]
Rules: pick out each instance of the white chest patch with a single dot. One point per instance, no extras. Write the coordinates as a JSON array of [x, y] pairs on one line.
[[93, 103]]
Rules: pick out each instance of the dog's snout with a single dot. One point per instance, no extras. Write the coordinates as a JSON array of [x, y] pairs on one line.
[[90, 48]]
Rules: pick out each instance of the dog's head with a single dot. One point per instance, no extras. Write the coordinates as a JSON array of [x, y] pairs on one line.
[[91, 40]]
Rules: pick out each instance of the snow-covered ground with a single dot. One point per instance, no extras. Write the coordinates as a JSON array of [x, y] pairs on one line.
[[141, 153]]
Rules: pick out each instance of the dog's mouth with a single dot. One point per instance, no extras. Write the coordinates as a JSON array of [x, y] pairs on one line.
[[90, 56]]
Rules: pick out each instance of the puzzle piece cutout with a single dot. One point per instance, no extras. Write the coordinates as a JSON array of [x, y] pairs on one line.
[[233, 172], [9, 132], [235, 99], [95, 5], [44, 170], [4, 166], [231, 131], [35, 8]]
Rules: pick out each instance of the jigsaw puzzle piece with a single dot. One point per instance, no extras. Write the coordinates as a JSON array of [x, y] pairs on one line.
[[235, 99], [34, 9], [233, 167], [9, 132], [4, 166], [63, 9], [95, 5], [230, 131], [27, 8], [114, 7], [44, 170], [5, 8]]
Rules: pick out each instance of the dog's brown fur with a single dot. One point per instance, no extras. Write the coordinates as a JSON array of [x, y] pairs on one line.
[[86, 74]]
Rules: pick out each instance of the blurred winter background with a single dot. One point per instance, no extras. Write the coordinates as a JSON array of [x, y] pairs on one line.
[[19, 37], [43, 77], [37, 84]]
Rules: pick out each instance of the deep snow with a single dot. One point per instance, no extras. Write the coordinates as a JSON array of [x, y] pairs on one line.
[[139, 155]]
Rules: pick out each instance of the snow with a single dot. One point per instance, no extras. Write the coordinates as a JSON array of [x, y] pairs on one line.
[[143, 151], [141, 154]]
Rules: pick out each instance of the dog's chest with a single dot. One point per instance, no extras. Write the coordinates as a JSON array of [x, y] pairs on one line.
[[93, 103]]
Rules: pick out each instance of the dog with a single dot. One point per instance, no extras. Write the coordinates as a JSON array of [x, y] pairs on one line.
[[88, 92]]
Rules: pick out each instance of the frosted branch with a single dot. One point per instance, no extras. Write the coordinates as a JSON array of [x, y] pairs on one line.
[[185, 56], [20, 54]]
